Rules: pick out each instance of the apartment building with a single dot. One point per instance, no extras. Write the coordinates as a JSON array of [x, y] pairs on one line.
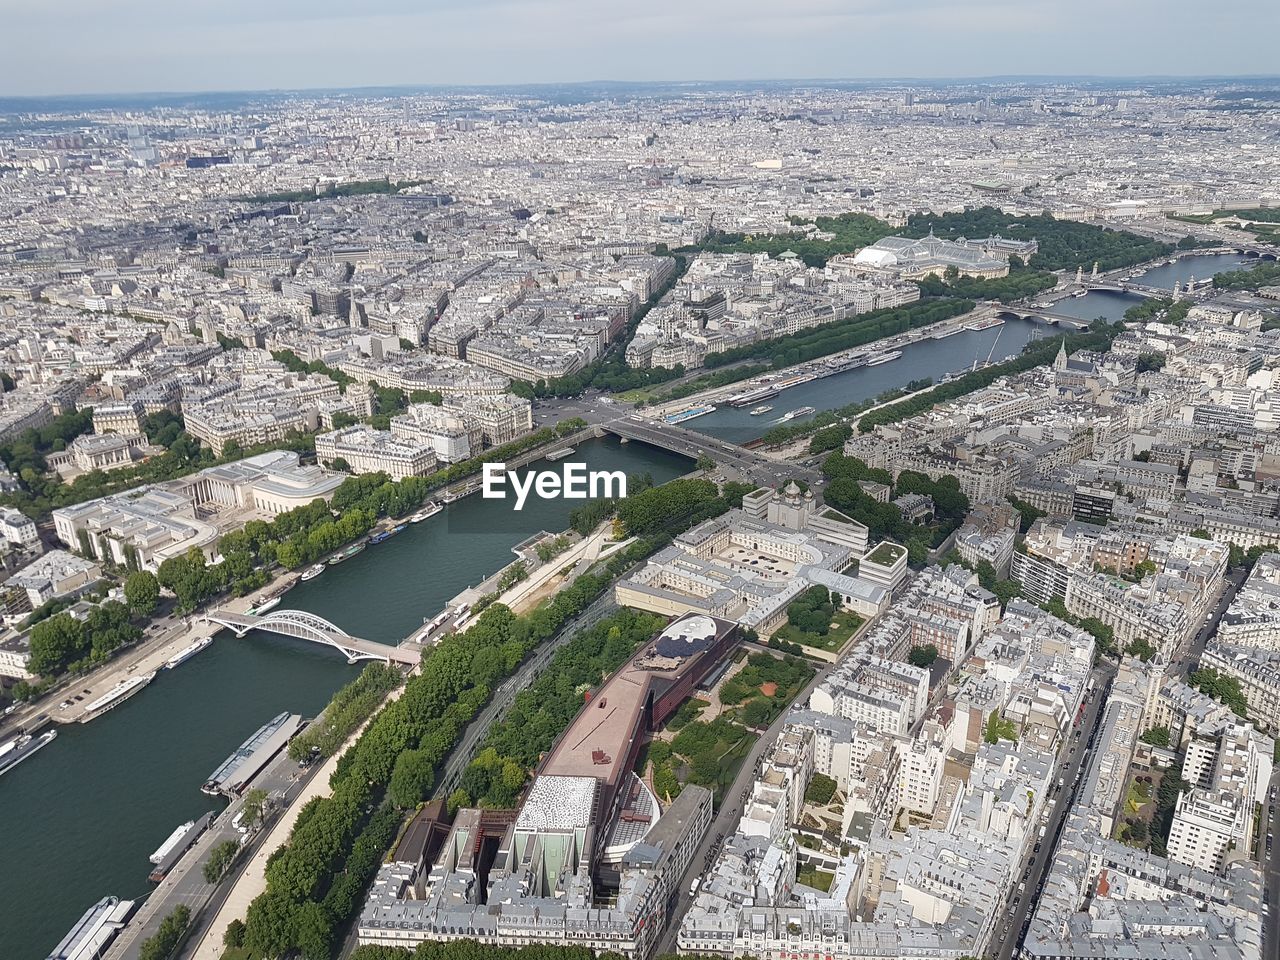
[[366, 450]]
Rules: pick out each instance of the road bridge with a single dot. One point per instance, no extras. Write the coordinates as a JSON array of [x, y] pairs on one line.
[[1048, 316], [690, 443], [1128, 286], [307, 626]]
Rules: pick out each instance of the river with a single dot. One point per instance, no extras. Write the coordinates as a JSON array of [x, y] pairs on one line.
[[1198, 266], [924, 358], [81, 817]]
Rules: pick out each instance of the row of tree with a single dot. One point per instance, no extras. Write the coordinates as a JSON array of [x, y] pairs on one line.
[[164, 941], [348, 708], [1263, 275], [305, 534], [1164, 309], [545, 708], [314, 882], [1019, 284], [1222, 687], [855, 331], [63, 642]]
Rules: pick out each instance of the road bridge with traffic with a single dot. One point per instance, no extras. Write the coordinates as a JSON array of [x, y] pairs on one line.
[[692, 444]]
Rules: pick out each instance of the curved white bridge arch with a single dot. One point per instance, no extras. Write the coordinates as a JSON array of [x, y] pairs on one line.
[[307, 626]]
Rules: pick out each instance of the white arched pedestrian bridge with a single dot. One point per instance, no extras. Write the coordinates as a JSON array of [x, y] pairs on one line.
[[307, 626]]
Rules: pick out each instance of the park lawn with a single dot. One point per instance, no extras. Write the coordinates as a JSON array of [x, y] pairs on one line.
[[1137, 796], [813, 877], [847, 623], [638, 395]]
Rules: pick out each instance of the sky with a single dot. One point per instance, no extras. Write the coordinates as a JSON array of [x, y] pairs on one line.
[[124, 46]]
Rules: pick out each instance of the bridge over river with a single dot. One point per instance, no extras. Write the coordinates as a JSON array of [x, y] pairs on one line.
[[307, 626], [692, 444]]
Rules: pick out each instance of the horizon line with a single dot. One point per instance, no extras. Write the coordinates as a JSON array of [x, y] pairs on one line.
[[530, 84]]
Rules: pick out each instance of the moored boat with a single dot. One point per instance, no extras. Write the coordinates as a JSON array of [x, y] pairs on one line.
[[20, 748], [186, 653], [117, 695], [269, 604], [430, 510], [346, 554]]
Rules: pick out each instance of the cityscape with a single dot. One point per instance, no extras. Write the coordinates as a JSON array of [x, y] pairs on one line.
[[779, 519]]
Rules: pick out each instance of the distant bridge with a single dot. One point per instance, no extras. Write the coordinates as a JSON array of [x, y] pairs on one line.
[[1128, 286], [307, 626], [1048, 316]]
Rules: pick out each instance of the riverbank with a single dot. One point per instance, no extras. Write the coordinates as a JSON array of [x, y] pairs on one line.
[[252, 880]]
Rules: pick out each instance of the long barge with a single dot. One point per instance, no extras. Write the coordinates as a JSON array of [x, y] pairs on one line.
[[346, 554], [117, 695], [753, 396], [22, 747], [186, 653], [235, 773], [690, 414], [885, 357], [94, 932], [177, 844], [986, 324]]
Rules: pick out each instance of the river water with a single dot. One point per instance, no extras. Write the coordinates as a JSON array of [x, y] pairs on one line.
[[935, 358], [1197, 266], [79, 819], [925, 358]]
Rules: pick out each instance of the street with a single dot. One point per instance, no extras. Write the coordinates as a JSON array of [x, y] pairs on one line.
[[1032, 878], [1270, 862], [1188, 658]]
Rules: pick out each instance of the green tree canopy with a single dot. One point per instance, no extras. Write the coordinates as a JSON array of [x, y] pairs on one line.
[[142, 590]]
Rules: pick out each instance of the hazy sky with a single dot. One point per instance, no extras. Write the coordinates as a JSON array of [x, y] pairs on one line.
[[102, 46]]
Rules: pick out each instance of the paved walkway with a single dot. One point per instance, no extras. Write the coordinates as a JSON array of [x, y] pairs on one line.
[[253, 880]]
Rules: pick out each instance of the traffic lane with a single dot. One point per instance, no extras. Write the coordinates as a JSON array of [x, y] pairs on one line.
[[185, 883], [1034, 873], [1234, 580], [1271, 869], [284, 780]]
